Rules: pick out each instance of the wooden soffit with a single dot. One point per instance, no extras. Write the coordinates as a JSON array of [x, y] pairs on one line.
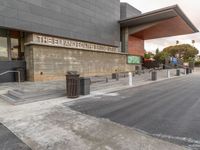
[[169, 21]]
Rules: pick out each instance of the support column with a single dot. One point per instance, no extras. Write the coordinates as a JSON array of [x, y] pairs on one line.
[[124, 39], [9, 46]]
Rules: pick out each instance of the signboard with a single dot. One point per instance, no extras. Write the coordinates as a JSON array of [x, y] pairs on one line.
[[72, 44], [174, 61], [134, 60]]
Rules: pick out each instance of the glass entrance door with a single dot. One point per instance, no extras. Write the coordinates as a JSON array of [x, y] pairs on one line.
[[10, 45], [15, 48], [11, 54]]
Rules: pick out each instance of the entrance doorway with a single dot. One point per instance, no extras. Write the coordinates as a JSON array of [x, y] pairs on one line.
[[11, 53]]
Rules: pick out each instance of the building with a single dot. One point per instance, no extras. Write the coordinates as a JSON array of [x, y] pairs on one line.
[[48, 38]]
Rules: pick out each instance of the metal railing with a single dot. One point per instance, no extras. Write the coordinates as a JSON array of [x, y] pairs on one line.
[[182, 66], [12, 71], [168, 67]]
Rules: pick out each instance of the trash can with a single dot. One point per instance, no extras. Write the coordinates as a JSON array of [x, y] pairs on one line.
[[85, 86], [187, 71], [73, 84], [178, 72], [154, 75], [22, 74], [115, 76]]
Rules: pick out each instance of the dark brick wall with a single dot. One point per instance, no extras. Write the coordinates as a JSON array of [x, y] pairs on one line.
[[88, 20]]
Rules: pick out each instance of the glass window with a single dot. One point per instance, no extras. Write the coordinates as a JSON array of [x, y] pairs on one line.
[[3, 48], [15, 49], [10, 45]]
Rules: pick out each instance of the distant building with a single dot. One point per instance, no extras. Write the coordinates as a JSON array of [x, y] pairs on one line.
[[49, 38]]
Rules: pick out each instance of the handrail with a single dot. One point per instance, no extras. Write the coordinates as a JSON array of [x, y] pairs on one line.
[[12, 71], [170, 67], [182, 66]]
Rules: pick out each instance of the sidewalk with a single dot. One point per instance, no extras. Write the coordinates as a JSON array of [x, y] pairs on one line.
[[49, 125], [61, 85], [29, 92]]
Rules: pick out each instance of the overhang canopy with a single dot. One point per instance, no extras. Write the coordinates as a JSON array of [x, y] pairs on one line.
[[165, 22]]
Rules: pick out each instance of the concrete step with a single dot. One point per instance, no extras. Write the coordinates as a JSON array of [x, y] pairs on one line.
[[9, 99], [16, 98], [4, 89], [27, 95]]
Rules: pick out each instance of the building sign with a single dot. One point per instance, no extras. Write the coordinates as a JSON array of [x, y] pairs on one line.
[[134, 60], [174, 60], [66, 43]]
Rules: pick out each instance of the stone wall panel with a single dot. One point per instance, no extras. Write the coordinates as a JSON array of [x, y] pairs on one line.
[[51, 63]]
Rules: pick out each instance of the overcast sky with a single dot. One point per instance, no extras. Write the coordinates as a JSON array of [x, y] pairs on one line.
[[190, 7]]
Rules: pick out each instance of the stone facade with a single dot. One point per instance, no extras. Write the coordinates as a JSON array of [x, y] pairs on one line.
[[52, 63]]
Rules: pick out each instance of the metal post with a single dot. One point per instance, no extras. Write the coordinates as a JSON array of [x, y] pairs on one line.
[[10, 71], [19, 77], [130, 79], [106, 79]]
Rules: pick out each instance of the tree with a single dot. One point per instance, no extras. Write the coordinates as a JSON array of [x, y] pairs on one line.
[[157, 51], [193, 42], [177, 42], [183, 51], [148, 55], [160, 57]]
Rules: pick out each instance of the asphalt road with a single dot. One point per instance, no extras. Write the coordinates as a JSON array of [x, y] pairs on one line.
[[9, 141], [169, 110]]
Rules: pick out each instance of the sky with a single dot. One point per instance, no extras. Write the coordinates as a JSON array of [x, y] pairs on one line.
[[190, 7]]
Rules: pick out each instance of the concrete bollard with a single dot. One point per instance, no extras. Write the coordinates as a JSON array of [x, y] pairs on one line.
[[185, 71], [130, 78], [168, 74]]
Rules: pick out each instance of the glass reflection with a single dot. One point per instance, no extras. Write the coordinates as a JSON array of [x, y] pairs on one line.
[[14, 49], [3, 49]]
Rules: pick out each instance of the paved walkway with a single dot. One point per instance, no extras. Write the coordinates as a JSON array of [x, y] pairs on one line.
[[50, 125]]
